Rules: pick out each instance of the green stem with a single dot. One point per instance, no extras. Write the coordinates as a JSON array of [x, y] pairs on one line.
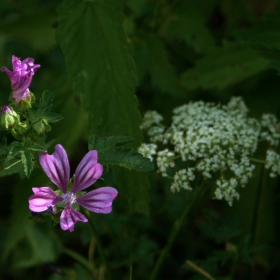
[[258, 209], [98, 244], [174, 232], [77, 257], [257, 160]]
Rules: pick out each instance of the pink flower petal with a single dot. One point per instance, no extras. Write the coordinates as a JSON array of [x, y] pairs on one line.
[[87, 172], [43, 198], [56, 166], [69, 217], [99, 200]]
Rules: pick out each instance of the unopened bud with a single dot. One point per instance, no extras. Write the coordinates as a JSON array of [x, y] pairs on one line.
[[41, 126], [9, 118]]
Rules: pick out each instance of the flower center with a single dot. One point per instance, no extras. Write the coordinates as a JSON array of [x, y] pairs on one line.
[[69, 198]]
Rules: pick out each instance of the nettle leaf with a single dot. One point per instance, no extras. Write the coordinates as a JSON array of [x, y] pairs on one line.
[[151, 57], [225, 66], [108, 153], [100, 64], [101, 68], [126, 158], [42, 111], [132, 189], [102, 144]]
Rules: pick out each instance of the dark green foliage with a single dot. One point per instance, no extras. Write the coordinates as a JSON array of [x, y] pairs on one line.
[[42, 111], [103, 60], [22, 153], [109, 154], [225, 66], [100, 65]]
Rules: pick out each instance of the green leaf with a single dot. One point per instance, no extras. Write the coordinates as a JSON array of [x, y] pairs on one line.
[[42, 111], [108, 154], [265, 32], [102, 144], [27, 161], [130, 184], [225, 66], [23, 153], [190, 25], [100, 64], [34, 147], [102, 70], [15, 149], [151, 57], [13, 167], [126, 158], [271, 54], [29, 28]]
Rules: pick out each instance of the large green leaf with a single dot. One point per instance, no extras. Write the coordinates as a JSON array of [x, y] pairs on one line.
[[100, 64], [102, 71], [132, 188], [225, 66]]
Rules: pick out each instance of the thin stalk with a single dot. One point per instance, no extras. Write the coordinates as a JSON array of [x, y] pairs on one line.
[[199, 270], [91, 251], [77, 257], [257, 160], [98, 245], [261, 186], [174, 232]]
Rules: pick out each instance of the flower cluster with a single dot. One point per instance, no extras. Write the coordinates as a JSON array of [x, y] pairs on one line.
[[22, 117], [273, 162], [56, 167], [216, 141]]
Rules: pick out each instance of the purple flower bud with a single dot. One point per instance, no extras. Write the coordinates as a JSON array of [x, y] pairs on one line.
[[6, 109], [21, 77]]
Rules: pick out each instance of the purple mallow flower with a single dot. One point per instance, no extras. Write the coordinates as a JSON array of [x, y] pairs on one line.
[[21, 77], [57, 168]]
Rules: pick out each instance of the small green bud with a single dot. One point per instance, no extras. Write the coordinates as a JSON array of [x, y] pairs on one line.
[[41, 126], [23, 128], [9, 118], [231, 248]]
